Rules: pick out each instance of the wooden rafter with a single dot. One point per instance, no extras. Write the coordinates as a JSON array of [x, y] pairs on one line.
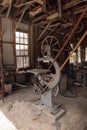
[[40, 18], [30, 2], [79, 10], [55, 27], [35, 12], [24, 4], [6, 3], [71, 4], [18, 2], [53, 16], [2, 9], [44, 31], [20, 18], [59, 8], [19, 11]]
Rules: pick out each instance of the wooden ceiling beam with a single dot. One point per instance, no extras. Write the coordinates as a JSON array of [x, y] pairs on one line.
[[18, 2], [19, 20], [41, 2], [79, 10], [2, 9], [24, 4], [66, 25], [40, 18], [71, 4], [45, 29], [59, 8], [6, 3], [35, 12], [19, 11], [53, 16]]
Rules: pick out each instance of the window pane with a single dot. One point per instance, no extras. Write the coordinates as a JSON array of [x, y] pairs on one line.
[[17, 40], [26, 62], [22, 47], [25, 41], [73, 58], [26, 52], [17, 52], [21, 34], [17, 34], [17, 47], [22, 53], [26, 47], [25, 35], [21, 40], [19, 62]]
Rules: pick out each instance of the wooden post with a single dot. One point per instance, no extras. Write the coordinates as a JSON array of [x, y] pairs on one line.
[[31, 38], [14, 44], [1, 65]]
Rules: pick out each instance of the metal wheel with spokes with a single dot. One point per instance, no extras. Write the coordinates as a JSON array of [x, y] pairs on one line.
[[50, 46]]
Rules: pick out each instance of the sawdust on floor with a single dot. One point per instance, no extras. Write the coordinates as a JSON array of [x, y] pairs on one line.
[[18, 109]]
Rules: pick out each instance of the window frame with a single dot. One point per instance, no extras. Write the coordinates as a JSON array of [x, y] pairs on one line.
[[21, 50]]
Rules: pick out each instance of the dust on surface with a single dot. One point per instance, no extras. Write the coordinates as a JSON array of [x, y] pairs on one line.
[[18, 109]]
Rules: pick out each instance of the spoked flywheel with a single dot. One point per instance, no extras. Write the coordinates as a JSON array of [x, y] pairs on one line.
[[50, 46]]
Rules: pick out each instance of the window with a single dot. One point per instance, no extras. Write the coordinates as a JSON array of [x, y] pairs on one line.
[[86, 54], [22, 55], [73, 57], [79, 54]]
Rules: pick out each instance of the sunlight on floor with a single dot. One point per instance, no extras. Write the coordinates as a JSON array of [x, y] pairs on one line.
[[5, 124]]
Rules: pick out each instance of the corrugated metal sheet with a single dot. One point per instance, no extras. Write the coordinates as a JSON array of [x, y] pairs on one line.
[[8, 54], [7, 34]]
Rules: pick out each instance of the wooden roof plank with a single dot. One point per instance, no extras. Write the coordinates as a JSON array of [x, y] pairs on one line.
[[71, 4]]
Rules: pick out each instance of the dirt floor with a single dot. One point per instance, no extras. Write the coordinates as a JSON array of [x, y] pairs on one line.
[[18, 109]]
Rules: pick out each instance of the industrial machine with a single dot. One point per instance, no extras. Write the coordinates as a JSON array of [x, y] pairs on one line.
[[48, 95]]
